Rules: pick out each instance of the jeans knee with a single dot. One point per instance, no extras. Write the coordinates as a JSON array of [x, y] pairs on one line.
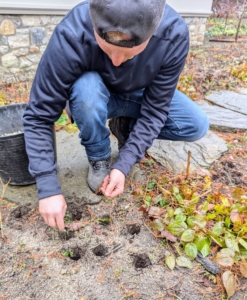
[[88, 88], [201, 126]]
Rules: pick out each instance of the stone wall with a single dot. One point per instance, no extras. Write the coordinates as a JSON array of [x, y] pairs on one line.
[[197, 28], [23, 40]]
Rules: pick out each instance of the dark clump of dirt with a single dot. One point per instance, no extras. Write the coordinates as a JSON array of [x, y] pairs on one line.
[[74, 253], [142, 261], [77, 212], [21, 211], [133, 228], [100, 250], [215, 177], [228, 164], [77, 252], [66, 235]]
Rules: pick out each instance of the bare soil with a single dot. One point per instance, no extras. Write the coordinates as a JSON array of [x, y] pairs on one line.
[[113, 255]]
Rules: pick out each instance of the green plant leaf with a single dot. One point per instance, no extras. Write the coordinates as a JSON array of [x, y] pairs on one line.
[[227, 222], [243, 252], [218, 229], [200, 221], [170, 212], [219, 241], [71, 128], [191, 250], [170, 261], [225, 201], [157, 225], [188, 235], [229, 282], [175, 190], [178, 211], [203, 245], [191, 221], [243, 243], [205, 250], [210, 216], [201, 241], [180, 218], [231, 242], [184, 262], [151, 185], [177, 227], [62, 120]]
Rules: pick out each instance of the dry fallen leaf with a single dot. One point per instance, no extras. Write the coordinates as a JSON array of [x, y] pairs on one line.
[[235, 216], [170, 261], [229, 282], [225, 257], [168, 236], [243, 269], [154, 212]]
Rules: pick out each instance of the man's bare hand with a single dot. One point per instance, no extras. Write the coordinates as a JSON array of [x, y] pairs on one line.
[[53, 209], [113, 185]]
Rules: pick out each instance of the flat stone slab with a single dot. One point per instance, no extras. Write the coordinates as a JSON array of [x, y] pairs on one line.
[[174, 155], [242, 91], [223, 119], [230, 100]]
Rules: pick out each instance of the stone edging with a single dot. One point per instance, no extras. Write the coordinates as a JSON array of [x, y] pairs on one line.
[[23, 39]]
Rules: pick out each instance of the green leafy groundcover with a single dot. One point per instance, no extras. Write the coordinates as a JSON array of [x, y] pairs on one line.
[[193, 216]]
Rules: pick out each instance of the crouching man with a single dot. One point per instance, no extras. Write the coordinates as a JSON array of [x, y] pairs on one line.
[[110, 59]]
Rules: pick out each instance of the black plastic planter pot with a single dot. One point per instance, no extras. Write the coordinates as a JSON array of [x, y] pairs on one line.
[[13, 156]]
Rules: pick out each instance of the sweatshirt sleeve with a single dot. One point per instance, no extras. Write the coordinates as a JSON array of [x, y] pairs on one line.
[[155, 106], [62, 62]]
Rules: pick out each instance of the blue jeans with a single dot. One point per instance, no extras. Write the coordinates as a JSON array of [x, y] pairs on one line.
[[92, 103]]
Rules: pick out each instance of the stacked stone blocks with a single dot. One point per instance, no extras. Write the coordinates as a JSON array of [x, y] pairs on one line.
[[23, 40], [197, 28]]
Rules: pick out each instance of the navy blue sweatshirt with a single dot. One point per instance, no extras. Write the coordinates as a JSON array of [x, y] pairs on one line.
[[72, 50]]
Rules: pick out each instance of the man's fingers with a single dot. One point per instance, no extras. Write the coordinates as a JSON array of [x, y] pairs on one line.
[[104, 184], [45, 219], [113, 189], [53, 210], [60, 222], [110, 188], [116, 192], [52, 222]]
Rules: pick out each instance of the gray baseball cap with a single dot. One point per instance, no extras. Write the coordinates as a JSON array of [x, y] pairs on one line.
[[138, 19]]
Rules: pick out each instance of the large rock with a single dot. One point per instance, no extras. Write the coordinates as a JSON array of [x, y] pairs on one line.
[[7, 27], [230, 100], [18, 41], [174, 155], [223, 119], [242, 91], [38, 36], [4, 49], [9, 60]]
